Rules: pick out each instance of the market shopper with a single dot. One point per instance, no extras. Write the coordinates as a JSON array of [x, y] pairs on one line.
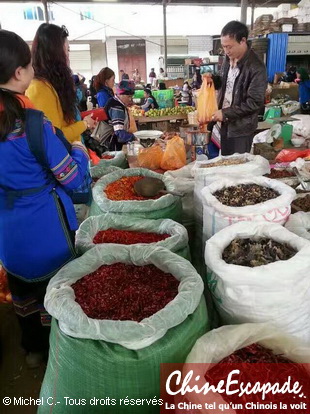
[[123, 75], [304, 90], [104, 83], [52, 91], [119, 117], [152, 77], [37, 217], [242, 93], [136, 77], [150, 101]]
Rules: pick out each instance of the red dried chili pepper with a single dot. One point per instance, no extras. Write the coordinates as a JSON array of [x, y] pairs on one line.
[[107, 157], [127, 237], [123, 189], [125, 292]]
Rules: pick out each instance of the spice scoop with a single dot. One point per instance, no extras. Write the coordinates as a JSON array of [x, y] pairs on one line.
[[151, 187]]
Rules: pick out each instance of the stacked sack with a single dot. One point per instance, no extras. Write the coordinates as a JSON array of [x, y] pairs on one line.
[[167, 206], [177, 242], [119, 359]]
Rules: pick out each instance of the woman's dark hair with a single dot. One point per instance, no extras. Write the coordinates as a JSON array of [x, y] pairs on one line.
[[14, 53], [50, 64], [236, 30], [149, 92], [104, 75]]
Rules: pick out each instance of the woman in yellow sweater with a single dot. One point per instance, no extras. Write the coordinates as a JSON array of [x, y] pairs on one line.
[[52, 91]]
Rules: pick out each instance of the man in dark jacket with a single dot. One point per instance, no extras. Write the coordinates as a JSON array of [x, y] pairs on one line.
[[244, 82]]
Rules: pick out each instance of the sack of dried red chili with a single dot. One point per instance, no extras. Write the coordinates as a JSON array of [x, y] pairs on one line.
[[166, 206], [256, 344], [126, 230], [277, 292], [112, 159], [119, 359], [101, 170]]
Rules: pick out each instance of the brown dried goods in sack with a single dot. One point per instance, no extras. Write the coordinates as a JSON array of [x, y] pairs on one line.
[[245, 195], [303, 203], [253, 253], [224, 163]]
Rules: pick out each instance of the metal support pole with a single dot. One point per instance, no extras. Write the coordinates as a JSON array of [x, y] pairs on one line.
[[252, 15], [165, 35], [46, 16], [244, 8]]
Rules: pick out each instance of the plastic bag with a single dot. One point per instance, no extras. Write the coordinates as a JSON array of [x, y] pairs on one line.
[[277, 293], [167, 206], [299, 223], [174, 155], [206, 102], [91, 226], [150, 157], [60, 299], [219, 343], [217, 216], [289, 155]]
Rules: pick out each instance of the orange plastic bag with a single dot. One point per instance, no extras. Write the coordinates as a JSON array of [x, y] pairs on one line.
[[150, 158], [289, 155], [206, 101], [174, 155]]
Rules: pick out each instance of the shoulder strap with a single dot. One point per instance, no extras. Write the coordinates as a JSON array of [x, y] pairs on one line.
[[34, 134]]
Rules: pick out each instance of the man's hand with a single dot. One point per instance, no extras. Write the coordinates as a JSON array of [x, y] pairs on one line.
[[218, 116]]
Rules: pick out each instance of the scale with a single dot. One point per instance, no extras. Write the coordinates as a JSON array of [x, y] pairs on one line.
[[281, 129]]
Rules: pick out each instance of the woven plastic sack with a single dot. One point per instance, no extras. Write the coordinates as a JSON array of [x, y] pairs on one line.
[[222, 342], [167, 206], [119, 160], [177, 243], [206, 102], [88, 369], [217, 216], [174, 155], [299, 223], [277, 293], [150, 157], [99, 171]]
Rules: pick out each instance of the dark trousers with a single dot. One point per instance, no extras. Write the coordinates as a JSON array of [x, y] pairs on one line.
[[231, 145], [34, 321]]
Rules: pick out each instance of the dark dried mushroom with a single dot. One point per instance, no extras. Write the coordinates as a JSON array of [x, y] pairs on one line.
[[253, 253], [303, 203], [245, 195]]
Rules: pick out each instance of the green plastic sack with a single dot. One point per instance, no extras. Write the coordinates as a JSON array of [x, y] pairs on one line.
[[119, 161], [177, 243], [118, 359], [88, 369], [167, 206], [99, 171]]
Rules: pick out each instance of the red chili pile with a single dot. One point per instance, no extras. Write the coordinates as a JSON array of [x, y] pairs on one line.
[[260, 371], [123, 189], [127, 237], [107, 157], [125, 292]]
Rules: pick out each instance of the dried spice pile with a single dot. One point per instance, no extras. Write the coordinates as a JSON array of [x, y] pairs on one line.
[[253, 253], [260, 371], [303, 203], [125, 292], [127, 237], [245, 195], [123, 189], [280, 174], [225, 163], [107, 157]]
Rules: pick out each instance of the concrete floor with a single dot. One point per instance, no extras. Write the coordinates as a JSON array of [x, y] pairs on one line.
[[16, 379]]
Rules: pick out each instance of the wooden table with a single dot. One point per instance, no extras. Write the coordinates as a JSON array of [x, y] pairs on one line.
[[160, 123]]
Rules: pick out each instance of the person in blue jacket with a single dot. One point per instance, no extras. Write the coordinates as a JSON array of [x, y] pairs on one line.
[[104, 83], [304, 90], [150, 101], [37, 217]]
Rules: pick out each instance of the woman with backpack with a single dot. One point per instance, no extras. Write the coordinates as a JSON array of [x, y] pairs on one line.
[[52, 90], [37, 217]]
